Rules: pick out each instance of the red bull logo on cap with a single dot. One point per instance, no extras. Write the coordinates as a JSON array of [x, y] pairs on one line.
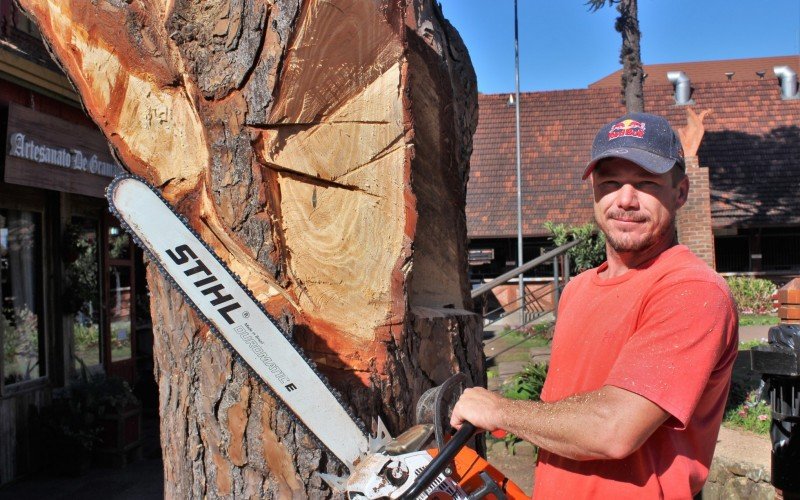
[[626, 128]]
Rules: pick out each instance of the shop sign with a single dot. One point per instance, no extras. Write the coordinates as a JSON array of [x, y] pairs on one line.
[[76, 159], [47, 152]]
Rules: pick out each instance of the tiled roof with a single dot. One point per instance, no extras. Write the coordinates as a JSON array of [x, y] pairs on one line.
[[751, 147], [709, 71], [752, 150]]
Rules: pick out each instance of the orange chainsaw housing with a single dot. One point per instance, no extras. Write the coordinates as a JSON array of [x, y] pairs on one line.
[[469, 465]]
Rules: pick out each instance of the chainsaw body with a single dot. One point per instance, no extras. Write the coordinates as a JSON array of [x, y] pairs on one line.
[[468, 476]]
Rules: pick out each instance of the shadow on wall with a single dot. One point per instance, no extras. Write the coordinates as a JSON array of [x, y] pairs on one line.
[[754, 178]]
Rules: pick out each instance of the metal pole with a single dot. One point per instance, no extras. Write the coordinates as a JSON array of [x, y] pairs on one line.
[[556, 292], [519, 168]]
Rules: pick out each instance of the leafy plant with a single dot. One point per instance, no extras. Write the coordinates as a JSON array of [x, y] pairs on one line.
[[20, 328], [102, 394], [589, 253], [752, 295], [85, 335], [119, 244], [67, 422], [525, 385], [72, 423], [753, 415]]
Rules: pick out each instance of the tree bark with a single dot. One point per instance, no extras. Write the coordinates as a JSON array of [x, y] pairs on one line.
[[631, 56], [322, 148]]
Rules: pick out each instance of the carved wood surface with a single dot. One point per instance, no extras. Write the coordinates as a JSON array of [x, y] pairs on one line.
[[322, 148]]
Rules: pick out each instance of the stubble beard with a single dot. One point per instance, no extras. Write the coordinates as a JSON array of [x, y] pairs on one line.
[[628, 242]]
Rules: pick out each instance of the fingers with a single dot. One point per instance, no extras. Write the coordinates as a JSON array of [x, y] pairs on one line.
[[478, 406]]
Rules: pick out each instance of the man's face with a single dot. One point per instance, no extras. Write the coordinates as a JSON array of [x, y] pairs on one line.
[[634, 208]]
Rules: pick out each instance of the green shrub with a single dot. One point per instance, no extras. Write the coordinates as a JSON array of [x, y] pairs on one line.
[[753, 415], [85, 335], [525, 385], [753, 295], [589, 253]]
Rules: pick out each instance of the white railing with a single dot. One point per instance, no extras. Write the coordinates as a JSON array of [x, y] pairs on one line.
[[530, 306]]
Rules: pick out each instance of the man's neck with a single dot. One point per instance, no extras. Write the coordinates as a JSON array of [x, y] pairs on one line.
[[620, 263]]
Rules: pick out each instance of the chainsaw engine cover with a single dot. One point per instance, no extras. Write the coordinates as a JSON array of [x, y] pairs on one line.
[[385, 476]]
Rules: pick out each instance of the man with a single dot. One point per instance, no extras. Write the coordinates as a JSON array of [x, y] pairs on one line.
[[644, 344]]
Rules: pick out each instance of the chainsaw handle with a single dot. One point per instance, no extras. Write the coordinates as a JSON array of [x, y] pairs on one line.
[[441, 461]]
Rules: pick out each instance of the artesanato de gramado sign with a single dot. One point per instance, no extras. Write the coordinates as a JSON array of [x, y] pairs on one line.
[[74, 159]]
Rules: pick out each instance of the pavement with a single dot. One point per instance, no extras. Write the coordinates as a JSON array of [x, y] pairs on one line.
[[747, 333], [144, 479], [139, 480]]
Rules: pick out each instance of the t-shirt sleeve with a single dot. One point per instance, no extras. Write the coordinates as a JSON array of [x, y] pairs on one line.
[[684, 330]]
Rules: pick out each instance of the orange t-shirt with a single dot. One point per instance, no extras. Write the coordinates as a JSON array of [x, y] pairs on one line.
[[667, 331]]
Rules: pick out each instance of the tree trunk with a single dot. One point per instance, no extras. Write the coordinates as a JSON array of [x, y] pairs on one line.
[[322, 148], [631, 56]]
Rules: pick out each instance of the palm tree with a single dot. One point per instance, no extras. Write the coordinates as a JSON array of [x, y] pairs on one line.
[[630, 55]]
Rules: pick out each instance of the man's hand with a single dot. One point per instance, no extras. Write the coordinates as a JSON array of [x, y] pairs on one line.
[[482, 408]]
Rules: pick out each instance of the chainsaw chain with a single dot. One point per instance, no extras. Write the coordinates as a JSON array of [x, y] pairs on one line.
[[296, 419]]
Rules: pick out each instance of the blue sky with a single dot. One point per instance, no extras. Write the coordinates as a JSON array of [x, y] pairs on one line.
[[563, 45]]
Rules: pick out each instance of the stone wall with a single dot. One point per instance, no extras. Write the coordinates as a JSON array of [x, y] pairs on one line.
[[731, 480]]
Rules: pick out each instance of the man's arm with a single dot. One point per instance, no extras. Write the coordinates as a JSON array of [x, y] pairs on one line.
[[609, 423]]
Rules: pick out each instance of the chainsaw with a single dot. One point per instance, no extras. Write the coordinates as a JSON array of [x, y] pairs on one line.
[[378, 466]]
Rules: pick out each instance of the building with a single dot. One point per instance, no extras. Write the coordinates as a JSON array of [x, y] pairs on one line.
[[72, 293], [750, 158]]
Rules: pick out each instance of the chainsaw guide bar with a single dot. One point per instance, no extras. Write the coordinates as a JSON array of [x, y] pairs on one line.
[[240, 321]]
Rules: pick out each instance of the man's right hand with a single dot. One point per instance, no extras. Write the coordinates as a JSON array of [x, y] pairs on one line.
[[484, 409]]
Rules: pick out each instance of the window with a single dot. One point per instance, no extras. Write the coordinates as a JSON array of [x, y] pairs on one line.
[[82, 285], [120, 313], [120, 307], [732, 254], [781, 251], [21, 325]]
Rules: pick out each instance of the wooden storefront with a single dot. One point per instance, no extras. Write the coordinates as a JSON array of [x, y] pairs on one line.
[[69, 302]]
